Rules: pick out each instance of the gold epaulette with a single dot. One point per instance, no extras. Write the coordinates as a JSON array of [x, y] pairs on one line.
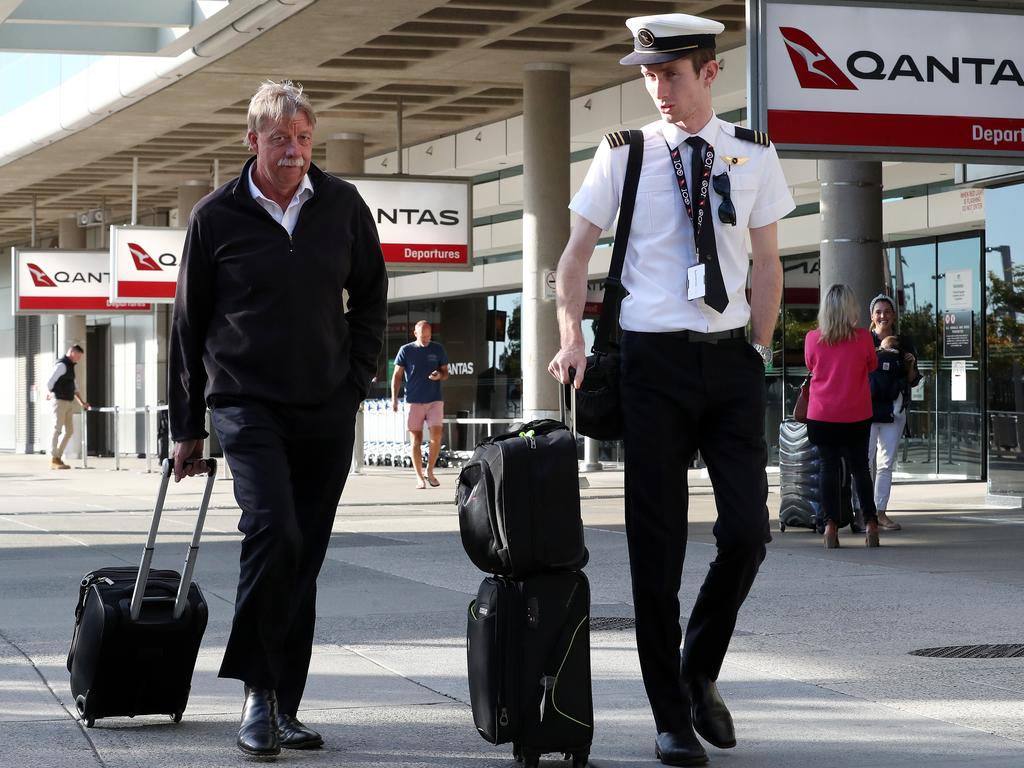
[[617, 138], [757, 137]]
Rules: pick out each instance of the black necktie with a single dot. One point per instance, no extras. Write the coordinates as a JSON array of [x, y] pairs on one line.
[[704, 233]]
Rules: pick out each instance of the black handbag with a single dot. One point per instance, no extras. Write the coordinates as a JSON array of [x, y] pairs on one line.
[[598, 408]]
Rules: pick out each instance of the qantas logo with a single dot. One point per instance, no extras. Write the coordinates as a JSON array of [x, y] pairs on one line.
[[814, 68], [143, 261], [40, 278]]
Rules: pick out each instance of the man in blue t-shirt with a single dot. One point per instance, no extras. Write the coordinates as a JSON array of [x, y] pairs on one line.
[[424, 365]]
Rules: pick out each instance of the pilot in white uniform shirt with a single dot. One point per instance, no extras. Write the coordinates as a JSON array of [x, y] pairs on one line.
[[661, 243]]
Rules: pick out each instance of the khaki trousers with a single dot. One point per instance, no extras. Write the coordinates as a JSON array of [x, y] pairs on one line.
[[63, 415]]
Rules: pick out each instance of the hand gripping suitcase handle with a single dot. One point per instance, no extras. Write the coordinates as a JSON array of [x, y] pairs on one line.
[[193, 550]]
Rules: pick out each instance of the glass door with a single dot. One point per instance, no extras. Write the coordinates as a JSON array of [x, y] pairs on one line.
[[937, 287]]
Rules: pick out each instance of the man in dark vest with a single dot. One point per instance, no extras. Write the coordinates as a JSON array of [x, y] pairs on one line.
[[63, 390]]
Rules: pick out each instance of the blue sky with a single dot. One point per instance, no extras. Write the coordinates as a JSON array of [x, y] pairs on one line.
[[23, 76]]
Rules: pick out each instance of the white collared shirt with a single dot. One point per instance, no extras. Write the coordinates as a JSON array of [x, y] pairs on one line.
[[286, 218], [661, 245]]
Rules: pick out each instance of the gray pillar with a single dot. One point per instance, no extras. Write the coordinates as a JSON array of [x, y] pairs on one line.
[[71, 328], [346, 153], [545, 225], [189, 193], [851, 228]]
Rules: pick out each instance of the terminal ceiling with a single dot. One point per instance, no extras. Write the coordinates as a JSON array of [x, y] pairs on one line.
[[453, 65]]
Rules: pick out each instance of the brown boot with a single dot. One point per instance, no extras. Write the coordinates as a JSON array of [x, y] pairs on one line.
[[56, 463], [831, 536], [886, 523]]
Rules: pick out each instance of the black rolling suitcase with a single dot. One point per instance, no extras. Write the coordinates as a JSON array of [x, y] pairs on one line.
[[137, 630], [800, 482], [519, 502], [528, 645]]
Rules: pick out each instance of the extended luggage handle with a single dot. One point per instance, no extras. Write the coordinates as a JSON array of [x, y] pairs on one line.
[[572, 407], [193, 550]]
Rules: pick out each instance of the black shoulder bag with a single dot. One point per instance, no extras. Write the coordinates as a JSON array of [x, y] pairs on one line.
[[598, 409]]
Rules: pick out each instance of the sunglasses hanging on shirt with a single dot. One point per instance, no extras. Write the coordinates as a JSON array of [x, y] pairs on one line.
[[726, 211]]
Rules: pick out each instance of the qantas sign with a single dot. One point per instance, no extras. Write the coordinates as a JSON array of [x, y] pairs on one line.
[[55, 281], [145, 262], [873, 79]]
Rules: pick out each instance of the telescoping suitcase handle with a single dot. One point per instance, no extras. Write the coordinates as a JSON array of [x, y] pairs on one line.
[[572, 406], [193, 550]]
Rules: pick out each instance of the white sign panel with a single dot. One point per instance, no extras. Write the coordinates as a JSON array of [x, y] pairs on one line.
[[144, 262], [958, 385], [959, 289], [55, 281], [424, 222], [885, 81]]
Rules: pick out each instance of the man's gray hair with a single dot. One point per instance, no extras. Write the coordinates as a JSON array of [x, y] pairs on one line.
[[273, 102]]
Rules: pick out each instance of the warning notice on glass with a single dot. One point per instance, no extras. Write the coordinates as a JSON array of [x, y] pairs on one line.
[[958, 334], [425, 254]]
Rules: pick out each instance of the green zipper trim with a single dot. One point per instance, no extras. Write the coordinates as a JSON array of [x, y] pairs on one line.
[[559, 673]]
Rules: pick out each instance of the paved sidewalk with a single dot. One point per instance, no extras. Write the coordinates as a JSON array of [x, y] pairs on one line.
[[818, 674]]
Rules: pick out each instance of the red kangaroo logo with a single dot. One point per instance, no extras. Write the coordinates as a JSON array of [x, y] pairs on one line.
[[40, 278], [814, 68], [143, 261]]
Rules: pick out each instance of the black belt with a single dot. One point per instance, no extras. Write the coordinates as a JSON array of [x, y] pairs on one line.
[[708, 338]]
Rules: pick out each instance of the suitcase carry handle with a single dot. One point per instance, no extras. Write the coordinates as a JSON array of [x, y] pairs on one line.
[[193, 550]]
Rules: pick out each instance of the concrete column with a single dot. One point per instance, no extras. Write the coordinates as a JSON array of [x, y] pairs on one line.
[[71, 328], [189, 193], [346, 153], [851, 228], [545, 225]]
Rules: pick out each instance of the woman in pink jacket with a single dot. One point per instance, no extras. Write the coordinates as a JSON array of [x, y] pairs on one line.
[[839, 356]]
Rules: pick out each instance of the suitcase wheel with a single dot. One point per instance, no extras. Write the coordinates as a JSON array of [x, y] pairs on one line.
[[782, 527], [579, 759], [531, 759], [176, 717], [517, 752]]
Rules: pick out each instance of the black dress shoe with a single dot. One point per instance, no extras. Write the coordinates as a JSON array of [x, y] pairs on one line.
[[679, 748], [257, 735], [711, 718], [294, 735]]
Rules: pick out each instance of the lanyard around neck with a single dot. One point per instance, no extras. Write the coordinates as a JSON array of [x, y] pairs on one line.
[[704, 184]]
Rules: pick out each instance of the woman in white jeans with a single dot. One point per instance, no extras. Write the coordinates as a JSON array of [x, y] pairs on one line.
[[885, 436]]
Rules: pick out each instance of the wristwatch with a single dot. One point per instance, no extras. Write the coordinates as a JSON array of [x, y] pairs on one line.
[[765, 353]]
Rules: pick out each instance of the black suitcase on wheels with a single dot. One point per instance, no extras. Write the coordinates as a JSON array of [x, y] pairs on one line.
[[137, 631], [528, 644]]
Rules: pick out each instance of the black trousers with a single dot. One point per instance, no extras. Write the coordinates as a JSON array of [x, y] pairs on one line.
[[836, 442], [679, 397], [289, 465]]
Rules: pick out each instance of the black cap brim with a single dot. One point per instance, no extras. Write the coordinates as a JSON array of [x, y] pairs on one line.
[[653, 57]]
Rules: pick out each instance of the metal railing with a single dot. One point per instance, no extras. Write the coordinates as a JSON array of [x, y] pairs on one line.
[[117, 412]]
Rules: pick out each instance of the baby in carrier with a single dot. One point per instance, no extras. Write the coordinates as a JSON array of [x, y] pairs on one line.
[[887, 380]]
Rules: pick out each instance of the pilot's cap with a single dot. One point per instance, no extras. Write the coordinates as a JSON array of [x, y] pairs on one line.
[[668, 36]]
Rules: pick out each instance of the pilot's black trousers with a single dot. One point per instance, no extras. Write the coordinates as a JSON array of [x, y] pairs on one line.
[[289, 465], [680, 396]]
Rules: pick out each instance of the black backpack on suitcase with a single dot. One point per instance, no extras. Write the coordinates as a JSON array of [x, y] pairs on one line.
[[137, 631], [519, 502], [528, 645]]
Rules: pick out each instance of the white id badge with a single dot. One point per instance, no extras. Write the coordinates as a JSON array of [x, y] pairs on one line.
[[695, 282]]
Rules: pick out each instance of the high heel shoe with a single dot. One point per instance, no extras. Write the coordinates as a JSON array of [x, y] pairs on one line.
[[871, 538], [831, 536]]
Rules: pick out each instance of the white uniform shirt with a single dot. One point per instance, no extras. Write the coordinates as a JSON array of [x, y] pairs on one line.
[[288, 217], [661, 245]]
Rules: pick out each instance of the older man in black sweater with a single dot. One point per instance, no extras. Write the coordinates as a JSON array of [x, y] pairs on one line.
[[261, 335]]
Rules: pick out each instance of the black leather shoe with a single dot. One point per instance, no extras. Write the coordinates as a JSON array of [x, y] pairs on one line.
[[679, 748], [294, 735], [257, 735], [711, 718]]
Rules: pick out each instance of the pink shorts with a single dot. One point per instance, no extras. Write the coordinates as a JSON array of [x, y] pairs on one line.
[[432, 413]]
